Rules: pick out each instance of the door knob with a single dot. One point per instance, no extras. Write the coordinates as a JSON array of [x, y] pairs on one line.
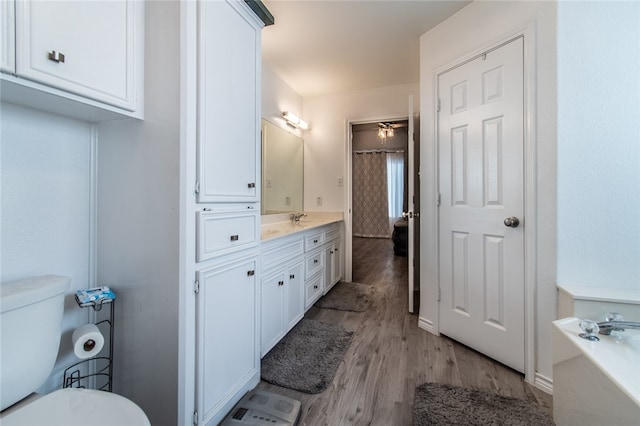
[[512, 222], [406, 215]]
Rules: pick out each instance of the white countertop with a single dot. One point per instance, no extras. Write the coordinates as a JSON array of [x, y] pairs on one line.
[[280, 225]]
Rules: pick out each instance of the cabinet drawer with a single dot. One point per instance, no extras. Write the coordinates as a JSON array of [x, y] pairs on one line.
[[313, 291], [224, 233], [313, 241], [314, 263], [332, 232], [275, 254]]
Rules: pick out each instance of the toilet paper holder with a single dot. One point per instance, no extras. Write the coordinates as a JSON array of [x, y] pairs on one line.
[[95, 372]]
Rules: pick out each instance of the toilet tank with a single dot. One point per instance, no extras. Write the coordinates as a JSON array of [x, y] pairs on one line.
[[30, 323]]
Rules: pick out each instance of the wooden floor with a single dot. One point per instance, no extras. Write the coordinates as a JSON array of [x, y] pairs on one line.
[[390, 355]]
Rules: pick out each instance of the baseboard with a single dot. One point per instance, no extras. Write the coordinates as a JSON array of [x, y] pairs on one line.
[[543, 383], [426, 325]]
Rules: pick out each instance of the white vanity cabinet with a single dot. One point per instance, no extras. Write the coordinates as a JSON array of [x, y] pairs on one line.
[[282, 303], [227, 334], [228, 105], [73, 51]]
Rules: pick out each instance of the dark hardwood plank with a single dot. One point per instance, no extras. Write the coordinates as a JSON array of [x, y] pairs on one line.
[[390, 355]]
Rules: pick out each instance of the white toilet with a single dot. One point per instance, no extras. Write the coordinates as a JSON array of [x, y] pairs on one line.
[[31, 319]]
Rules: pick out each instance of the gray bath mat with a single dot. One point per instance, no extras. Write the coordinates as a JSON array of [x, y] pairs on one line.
[[346, 296], [441, 405], [307, 358]]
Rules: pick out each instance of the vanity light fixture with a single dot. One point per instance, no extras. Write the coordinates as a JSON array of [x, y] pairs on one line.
[[294, 120]]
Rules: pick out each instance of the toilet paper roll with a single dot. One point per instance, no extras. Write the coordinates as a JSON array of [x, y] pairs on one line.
[[87, 341]]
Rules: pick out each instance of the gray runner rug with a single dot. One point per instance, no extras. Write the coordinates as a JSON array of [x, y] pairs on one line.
[[307, 358], [346, 296], [440, 405]]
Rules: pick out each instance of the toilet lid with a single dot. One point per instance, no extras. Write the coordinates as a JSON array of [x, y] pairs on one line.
[[78, 407]]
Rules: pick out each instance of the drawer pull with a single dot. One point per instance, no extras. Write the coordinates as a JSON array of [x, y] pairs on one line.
[[251, 273], [234, 238], [56, 56]]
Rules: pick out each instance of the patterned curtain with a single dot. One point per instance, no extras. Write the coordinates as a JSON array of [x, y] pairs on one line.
[[370, 201]]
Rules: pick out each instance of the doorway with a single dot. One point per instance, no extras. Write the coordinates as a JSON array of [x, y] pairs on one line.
[[378, 196]]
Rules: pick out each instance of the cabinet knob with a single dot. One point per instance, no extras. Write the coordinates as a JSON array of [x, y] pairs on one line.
[[251, 185], [315, 261], [251, 273], [315, 241], [315, 287], [280, 282], [234, 238], [292, 276], [56, 56]]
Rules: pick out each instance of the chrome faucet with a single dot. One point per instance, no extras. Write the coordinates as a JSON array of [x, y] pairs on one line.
[[606, 327], [295, 217]]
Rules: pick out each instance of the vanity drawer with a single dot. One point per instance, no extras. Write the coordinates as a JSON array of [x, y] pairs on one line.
[[272, 255], [222, 233], [313, 291], [314, 263], [332, 232], [313, 241]]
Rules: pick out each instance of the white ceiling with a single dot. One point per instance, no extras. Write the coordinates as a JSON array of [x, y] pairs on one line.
[[330, 46]]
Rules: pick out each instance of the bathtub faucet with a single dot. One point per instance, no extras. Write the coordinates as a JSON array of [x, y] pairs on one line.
[[606, 327]]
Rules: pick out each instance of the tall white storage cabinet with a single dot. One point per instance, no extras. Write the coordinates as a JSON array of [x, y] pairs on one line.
[[227, 207]]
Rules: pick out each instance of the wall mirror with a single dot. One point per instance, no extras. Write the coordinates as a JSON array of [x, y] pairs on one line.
[[282, 170]]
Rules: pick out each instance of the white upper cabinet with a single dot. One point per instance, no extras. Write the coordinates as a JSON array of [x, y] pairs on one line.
[[75, 58], [84, 47], [229, 103], [7, 37]]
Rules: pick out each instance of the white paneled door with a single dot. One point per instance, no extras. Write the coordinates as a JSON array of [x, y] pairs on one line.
[[481, 224]]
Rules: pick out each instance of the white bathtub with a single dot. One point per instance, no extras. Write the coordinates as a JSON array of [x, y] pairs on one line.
[[595, 383]]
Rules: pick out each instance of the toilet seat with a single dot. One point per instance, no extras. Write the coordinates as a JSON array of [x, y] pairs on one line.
[[77, 407]]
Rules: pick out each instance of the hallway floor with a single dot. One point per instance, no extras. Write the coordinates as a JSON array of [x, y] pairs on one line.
[[390, 355]]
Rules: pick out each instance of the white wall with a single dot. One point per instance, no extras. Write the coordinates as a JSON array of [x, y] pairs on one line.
[[479, 25], [278, 96], [599, 145], [138, 226], [46, 189], [325, 144]]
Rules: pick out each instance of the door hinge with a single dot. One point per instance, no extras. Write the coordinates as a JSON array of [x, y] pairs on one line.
[[196, 189], [439, 294], [439, 200], [196, 286], [438, 106], [195, 417]]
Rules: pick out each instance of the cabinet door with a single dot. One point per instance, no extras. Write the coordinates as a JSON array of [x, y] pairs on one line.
[[229, 103], [84, 47], [7, 37], [333, 264], [272, 311], [227, 336], [294, 292]]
